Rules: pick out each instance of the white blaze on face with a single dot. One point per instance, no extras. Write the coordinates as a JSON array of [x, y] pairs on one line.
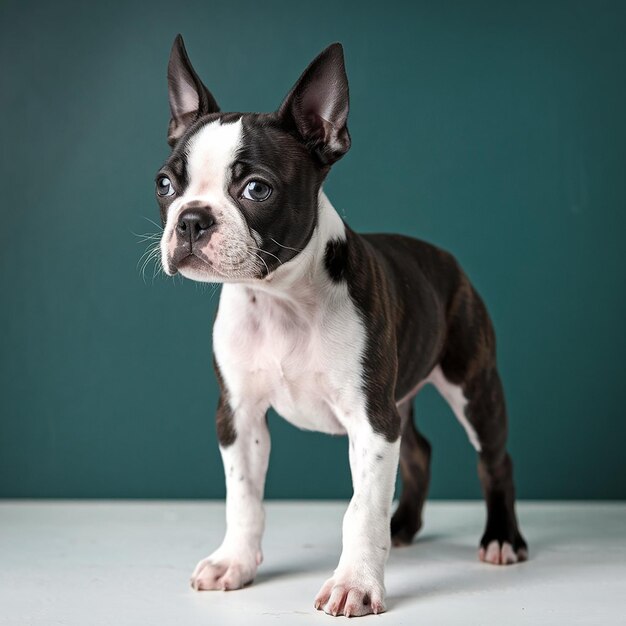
[[210, 156], [211, 152]]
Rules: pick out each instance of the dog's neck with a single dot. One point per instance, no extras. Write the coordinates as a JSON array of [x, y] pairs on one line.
[[305, 274]]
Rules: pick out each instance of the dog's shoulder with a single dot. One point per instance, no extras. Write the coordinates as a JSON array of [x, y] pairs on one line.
[[412, 260], [405, 249]]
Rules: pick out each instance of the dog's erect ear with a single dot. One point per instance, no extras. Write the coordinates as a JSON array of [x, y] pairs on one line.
[[317, 106], [189, 98]]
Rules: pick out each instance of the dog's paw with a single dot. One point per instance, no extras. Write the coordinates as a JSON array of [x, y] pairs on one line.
[[502, 553], [224, 572], [352, 596]]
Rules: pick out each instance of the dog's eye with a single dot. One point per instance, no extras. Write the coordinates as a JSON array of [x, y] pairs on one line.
[[257, 191], [164, 186]]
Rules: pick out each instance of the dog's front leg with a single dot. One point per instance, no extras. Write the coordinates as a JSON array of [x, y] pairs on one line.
[[357, 586], [245, 447]]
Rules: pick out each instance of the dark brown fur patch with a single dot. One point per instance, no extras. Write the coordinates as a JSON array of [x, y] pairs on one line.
[[415, 454], [420, 310], [401, 286], [335, 259], [224, 419], [371, 294]]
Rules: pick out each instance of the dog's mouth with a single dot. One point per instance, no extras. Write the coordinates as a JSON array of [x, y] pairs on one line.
[[194, 264], [193, 261]]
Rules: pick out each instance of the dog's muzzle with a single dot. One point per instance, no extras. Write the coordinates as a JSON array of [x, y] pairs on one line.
[[192, 231]]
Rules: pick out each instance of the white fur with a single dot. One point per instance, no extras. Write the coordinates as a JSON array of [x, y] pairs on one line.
[[454, 396], [366, 537], [235, 562], [498, 554]]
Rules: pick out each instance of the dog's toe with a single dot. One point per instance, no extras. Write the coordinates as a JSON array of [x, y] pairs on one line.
[[224, 575], [501, 553], [350, 597]]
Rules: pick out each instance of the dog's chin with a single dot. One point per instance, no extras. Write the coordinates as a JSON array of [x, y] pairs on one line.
[[199, 270], [194, 268]]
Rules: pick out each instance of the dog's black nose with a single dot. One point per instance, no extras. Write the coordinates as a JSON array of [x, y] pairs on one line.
[[193, 223]]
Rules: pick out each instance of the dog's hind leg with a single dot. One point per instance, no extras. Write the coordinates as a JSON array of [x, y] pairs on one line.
[[468, 379], [415, 453], [502, 542]]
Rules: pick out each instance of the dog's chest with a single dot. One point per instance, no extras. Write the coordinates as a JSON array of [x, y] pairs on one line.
[[302, 359]]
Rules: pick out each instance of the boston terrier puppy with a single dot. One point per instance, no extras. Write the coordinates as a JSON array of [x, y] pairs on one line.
[[337, 331]]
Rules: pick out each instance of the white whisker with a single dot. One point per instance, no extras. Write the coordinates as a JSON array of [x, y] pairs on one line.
[[152, 253], [266, 252], [256, 255], [286, 247], [153, 222]]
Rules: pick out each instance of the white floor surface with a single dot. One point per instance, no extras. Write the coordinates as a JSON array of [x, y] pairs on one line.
[[123, 563]]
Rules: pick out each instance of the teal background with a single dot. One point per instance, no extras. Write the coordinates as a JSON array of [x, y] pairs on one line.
[[494, 129]]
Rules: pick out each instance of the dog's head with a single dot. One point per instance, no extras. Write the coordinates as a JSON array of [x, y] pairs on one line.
[[239, 192]]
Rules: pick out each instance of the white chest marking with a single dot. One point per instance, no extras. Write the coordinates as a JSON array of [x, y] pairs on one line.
[[296, 342]]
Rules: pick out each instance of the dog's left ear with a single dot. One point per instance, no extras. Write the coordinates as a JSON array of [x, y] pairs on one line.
[[189, 98], [317, 106]]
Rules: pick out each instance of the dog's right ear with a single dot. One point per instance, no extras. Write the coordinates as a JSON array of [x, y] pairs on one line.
[[189, 98], [317, 106]]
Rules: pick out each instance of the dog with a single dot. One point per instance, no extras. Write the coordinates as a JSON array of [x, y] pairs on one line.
[[337, 331]]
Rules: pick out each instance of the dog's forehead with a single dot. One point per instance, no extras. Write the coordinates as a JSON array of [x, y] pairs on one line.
[[205, 157], [211, 151], [266, 142]]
